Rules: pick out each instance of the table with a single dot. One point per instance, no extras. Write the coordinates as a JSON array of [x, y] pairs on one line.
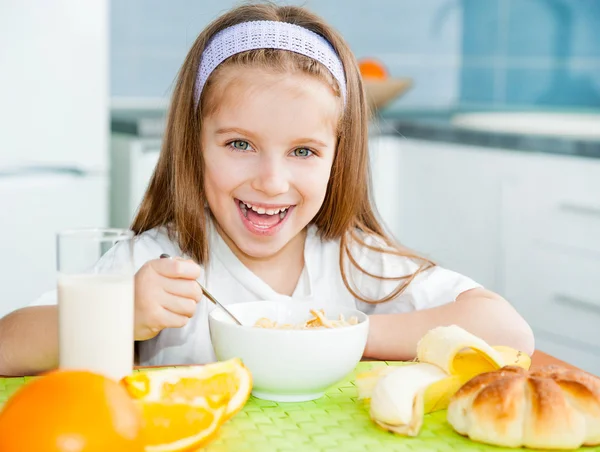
[[540, 359], [336, 422]]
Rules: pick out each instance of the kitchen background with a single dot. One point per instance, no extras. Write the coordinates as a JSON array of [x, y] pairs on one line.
[[489, 162]]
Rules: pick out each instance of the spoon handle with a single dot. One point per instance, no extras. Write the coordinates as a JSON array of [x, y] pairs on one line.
[[209, 296]]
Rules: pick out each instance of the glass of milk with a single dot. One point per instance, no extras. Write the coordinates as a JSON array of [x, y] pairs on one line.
[[96, 301]]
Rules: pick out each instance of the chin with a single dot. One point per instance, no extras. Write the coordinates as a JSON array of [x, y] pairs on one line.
[[261, 246], [260, 251], [255, 243]]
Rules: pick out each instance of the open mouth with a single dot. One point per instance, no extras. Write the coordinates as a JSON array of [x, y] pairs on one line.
[[261, 219]]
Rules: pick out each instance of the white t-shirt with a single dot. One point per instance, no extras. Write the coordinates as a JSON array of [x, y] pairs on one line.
[[321, 280]]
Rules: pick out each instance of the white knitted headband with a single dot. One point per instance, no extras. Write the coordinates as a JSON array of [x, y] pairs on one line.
[[267, 35]]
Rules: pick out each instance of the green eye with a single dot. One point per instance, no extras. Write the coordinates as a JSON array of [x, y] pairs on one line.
[[240, 145], [302, 152]]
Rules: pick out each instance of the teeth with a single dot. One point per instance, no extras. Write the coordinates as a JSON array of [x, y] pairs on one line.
[[244, 209], [261, 210]]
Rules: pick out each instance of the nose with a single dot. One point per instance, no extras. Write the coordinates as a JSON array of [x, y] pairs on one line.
[[272, 177]]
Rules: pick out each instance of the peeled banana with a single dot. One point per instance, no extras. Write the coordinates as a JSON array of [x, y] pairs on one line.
[[447, 357]]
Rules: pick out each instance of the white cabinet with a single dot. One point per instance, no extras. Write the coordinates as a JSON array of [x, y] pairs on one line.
[[572, 353], [551, 228], [524, 225], [133, 160], [444, 202], [386, 176]]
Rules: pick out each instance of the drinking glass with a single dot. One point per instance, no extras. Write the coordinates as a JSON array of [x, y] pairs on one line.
[[96, 300]]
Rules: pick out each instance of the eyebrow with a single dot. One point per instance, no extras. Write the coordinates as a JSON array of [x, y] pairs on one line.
[[299, 141], [226, 130], [313, 141]]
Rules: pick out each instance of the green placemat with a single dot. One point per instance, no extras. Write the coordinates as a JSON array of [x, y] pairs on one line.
[[9, 385], [336, 422]]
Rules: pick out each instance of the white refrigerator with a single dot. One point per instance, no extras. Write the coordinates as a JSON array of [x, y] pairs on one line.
[[54, 129]]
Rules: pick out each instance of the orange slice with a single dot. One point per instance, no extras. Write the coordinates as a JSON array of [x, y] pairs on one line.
[[179, 426], [184, 407]]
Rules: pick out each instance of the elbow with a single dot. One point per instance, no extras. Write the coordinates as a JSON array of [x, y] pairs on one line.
[[504, 325], [4, 368], [523, 339], [517, 333], [529, 341], [520, 334], [9, 325]]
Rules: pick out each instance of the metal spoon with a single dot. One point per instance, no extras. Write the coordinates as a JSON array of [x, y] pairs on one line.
[[209, 296]]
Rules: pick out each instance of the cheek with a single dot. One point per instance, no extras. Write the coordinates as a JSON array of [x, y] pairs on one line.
[[221, 175], [313, 184], [215, 180]]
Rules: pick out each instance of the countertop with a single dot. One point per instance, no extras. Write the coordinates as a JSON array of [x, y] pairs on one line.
[[431, 124], [437, 125], [143, 123]]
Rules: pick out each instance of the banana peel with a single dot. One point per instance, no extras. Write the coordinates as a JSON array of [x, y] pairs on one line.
[[468, 364], [458, 356]]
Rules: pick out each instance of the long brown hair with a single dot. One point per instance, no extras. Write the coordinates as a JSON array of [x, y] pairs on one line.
[[175, 197]]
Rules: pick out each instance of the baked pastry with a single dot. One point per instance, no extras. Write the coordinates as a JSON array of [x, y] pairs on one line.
[[549, 408]]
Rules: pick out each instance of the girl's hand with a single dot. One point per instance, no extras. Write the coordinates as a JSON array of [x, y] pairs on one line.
[[166, 294]]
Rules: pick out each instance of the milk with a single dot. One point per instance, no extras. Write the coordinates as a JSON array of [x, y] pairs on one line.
[[95, 323]]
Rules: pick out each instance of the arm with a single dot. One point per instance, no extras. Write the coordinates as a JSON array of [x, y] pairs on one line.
[[29, 336], [29, 341], [479, 311]]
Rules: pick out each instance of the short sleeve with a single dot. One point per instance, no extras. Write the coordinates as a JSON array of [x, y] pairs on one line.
[[430, 288], [149, 245], [47, 299]]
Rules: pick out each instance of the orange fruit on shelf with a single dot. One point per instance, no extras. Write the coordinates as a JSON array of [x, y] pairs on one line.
[[184, 407], [71, 411], [372, 69]]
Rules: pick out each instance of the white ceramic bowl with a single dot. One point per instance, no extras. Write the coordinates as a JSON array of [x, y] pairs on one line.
[[289, 365]]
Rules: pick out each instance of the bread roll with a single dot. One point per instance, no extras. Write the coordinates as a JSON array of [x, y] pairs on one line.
[[549, 408]]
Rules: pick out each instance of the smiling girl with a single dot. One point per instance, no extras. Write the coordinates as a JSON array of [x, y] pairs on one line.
[[262, 190]]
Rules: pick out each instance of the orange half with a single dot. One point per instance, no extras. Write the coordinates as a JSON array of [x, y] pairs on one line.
[[184, 407]]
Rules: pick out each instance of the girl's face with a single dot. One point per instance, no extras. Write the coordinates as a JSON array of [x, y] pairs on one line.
[[268, 151]]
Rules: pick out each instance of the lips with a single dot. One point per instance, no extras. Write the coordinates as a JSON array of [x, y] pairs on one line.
[[262, 211], [263, 219]]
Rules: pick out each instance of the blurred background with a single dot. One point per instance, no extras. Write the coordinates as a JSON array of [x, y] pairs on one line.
[[485, 137]]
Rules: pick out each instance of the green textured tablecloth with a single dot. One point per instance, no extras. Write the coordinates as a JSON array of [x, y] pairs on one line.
[[336, 422]]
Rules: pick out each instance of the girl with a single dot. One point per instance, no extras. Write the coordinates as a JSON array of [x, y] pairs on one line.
[[262, 191]]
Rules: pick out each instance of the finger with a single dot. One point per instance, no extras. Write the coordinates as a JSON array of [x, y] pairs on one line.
[[176, 268], [173, 320], [180, 306], [186, 288]]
